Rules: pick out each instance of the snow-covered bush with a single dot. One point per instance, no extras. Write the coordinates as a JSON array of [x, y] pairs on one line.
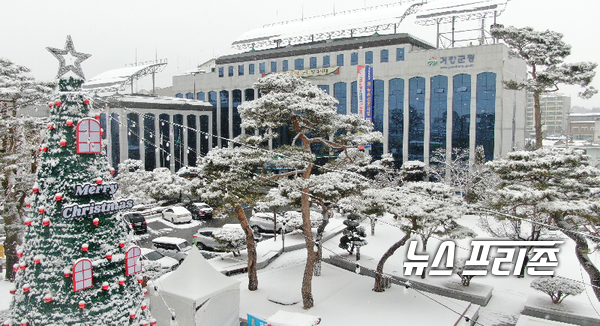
[[558, 288], [293, 220], [234, 239], [354, 235], [460, 267]]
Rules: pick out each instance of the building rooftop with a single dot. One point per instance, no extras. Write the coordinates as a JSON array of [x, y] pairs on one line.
[[326, 46]]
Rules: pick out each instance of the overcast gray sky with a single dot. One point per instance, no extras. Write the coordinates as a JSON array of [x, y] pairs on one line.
[[189, 32]]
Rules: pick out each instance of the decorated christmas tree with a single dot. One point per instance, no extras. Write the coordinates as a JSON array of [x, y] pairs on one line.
[[76, 265]]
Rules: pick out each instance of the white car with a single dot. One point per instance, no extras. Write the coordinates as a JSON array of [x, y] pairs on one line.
[[263, 222], [200, 210], [166, 263], [173, 247], [177, 214]]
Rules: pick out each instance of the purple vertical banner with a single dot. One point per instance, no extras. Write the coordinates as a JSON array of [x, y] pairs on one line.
[[369, 92]]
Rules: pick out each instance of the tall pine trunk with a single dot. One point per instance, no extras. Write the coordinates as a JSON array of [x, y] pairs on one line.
[[251, 247], [537, 115], [311, 255], [379, 286]]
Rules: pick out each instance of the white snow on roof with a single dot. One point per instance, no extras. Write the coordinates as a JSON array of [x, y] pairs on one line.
[[443, 9], [358, 19], [119, 77]]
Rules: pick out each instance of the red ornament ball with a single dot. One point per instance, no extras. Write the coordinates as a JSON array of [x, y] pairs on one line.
[[28, 205], [104, 286], [122, 244], [81, 304], [15, 267], [112, 171], [67, 273], [24, 322], [48, 298], [37, 260], [108, 256], [143, 323], [63, 143], [26, 288], [45, 149], [121, 281], [50, 104], [50, 126], [42, 210], [13, 291], [35, 188], [19, 253], [58, 197], [86, 102], [57, 103], [97, 117], [28, 223], [144, 306], [153, 322], [132, 314], [22, 266], [84, 247], [46, 221], [69, 123], [95, 221], [99, 181]]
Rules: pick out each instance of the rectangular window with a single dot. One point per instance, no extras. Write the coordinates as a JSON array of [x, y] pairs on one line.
[[273, 66], [353, 58], [384, 55], [313, 62], [369, 57], [230, 70], [325, 61], [285, 65], [299, 64], [340, 59], [400, 54], [221, 72], [240, 70], [575, 128], [251, 69], [262, 68]]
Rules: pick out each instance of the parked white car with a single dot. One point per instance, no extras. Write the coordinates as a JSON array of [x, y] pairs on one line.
[[173, 247], [177, 214], [264, 222], [166, 263]]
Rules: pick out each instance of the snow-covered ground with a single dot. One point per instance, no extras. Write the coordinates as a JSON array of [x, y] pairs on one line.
[[346, 298]]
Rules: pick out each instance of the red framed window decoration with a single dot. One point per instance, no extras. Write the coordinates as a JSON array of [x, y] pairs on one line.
[[89, 139], [133, 264], [82, 274]]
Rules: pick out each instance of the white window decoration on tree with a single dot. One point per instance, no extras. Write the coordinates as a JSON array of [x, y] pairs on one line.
[[82, 274], [89, 139], [133, 263]]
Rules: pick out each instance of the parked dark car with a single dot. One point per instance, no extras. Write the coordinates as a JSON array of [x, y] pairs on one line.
[[136, 221], [200, 210]]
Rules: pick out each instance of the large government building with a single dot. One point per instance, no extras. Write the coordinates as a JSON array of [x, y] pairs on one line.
[[416, 86]]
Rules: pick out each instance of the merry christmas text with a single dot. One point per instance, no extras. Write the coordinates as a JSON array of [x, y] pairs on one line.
[[96, 208], [92, 189]]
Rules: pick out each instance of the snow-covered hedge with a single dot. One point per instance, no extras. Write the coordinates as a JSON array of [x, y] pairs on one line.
[[234, 239], [558, 288]]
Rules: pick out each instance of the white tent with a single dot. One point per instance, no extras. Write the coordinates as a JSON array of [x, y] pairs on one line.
[[198, 295]]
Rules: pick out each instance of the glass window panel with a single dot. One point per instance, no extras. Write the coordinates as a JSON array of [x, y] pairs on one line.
[[251, 69], [354, 58], [299, 64], [313, 62], [438, 113], [326, 60], [396, 119], [224, 117], [399, 54], [461, 111], [339, 92], [416, 118], [285, 65], [384, 56], [369, 57], [486, 113], [340, 59], [273, 66]]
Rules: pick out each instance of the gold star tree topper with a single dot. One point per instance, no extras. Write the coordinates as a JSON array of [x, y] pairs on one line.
[[69, 59]]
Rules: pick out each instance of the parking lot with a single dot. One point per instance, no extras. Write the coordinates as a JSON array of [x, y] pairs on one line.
[[158, 227]]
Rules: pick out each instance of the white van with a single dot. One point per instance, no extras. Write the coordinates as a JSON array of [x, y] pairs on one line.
[[176, 248]]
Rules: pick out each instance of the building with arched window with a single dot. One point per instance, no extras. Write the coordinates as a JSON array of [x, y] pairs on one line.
[[416, 87]]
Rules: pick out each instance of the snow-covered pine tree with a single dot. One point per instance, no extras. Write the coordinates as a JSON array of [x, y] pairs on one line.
[[76, 267], [544, 52], [20, 139], [302, 109]]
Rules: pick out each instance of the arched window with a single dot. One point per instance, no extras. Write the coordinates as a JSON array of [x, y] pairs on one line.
[[132, 261], [82, 274], [89, 139]]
